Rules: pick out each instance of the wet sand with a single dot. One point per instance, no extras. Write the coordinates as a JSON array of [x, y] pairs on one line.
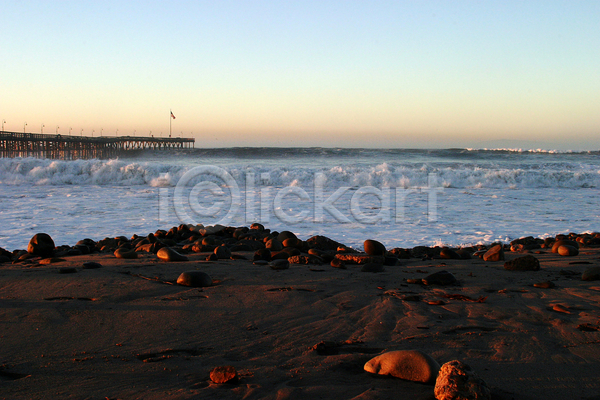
[[127, 331]]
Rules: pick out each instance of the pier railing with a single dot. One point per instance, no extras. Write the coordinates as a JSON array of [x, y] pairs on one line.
[[68, 147]]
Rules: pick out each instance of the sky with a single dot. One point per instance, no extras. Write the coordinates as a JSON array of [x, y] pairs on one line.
[[383, 74]]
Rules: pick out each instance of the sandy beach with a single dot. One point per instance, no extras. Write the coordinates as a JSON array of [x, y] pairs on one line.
[[126, 330]]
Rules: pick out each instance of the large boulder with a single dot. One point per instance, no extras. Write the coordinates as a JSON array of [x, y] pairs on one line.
[[41, 244]]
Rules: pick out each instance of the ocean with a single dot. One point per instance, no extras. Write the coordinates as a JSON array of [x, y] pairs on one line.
[[401, 197]]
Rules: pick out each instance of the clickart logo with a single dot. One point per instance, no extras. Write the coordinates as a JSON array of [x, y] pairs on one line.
[[211, 195]]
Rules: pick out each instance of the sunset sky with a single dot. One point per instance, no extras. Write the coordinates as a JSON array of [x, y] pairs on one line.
[[424, 74]]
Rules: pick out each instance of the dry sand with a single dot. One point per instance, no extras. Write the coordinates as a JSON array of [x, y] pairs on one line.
[[112, 333]]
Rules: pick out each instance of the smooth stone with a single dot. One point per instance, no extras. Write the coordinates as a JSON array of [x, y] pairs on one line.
[[279, 264], [168, 254], [337, 263], [591, 274], [372, 267], [449, 254], [442, 278], [567, 251], [145, 247], [411, 365], [274, 245], [285, 235], [458, 381], [225, 374], [194, 279], [222, 252], [126, 254], [91, 265], [496, 253], [292, 242], [525, 263], [374, 248], [41, 244], [559, 243]]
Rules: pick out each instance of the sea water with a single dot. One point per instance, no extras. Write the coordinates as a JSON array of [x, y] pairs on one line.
[[400, 197]]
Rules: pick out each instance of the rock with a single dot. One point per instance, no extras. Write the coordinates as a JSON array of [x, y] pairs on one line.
[[292, 242], [194, 279], [285, 235], [464, 254], [274, 245], [591, 274], [449, 254], [411, 365], [279, 264], [222, 252], [337, 263], [559, 243], [401, 253], [305, 260], [359, 258], [374, 248], [372, 267], [262, 254], [525, 263], [442, 278], [41, 244], [496, 253], [124, 253], [290, 251], [225, 374], [425, 252], [322, 243], [567, 250], [168, 254], [457, 381]]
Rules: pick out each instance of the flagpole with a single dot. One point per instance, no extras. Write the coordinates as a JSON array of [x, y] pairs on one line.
[[170, 121]]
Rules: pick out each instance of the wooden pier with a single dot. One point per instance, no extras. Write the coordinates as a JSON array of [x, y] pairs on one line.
[[67, 147]]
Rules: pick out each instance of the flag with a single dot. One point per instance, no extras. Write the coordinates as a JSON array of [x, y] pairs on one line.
[[172, 116]]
